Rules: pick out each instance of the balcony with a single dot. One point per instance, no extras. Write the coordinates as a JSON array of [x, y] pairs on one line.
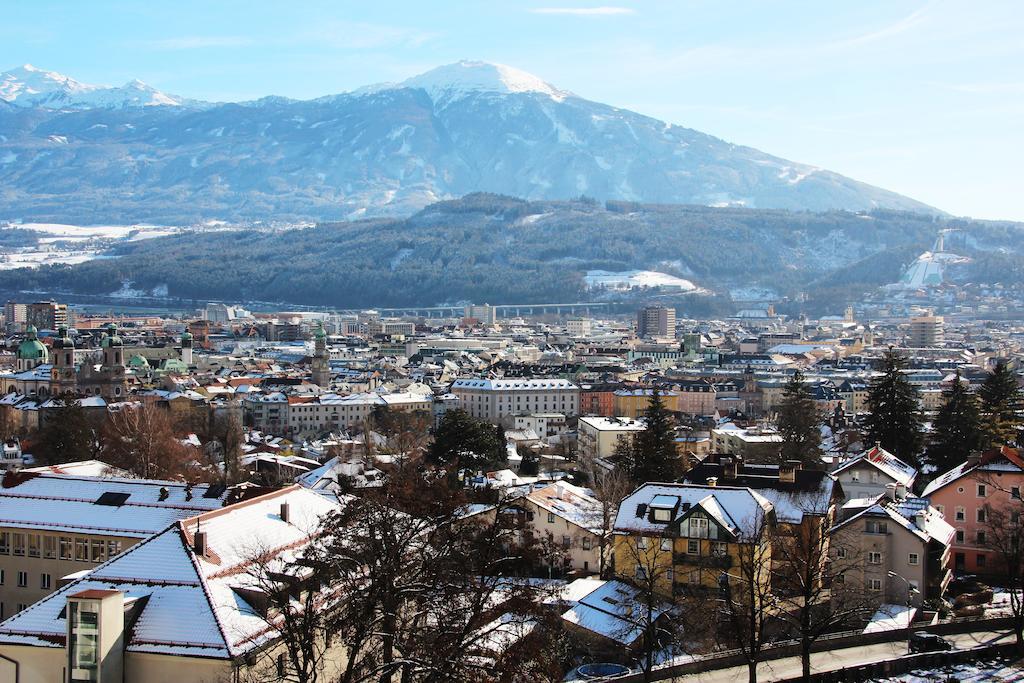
[[704, 561]]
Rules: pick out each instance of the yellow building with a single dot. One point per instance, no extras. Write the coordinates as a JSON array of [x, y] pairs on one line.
[[54, 525], [685, 537], [633, 402], [182, 606]]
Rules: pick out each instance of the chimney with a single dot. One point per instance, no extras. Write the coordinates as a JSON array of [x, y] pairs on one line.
[[729, 468], [164, 493], [285, 512], [890, 492], [788, 470], [199, 543], [712, 481], [901, 491]]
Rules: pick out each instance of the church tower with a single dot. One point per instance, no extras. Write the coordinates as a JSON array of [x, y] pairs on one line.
[[186, 347], [113, 383], [62, 374], [321, 363]]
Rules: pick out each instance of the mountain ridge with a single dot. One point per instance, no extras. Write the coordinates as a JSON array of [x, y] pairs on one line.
[[389, 149]]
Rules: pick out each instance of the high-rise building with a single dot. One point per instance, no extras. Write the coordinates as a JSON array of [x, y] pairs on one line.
[[485, 313], [926, 331], [47, 315], [15, 315], [656, 321]]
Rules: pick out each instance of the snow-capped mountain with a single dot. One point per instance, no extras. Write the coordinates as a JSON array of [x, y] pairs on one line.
[[28, 86], [74, 152]]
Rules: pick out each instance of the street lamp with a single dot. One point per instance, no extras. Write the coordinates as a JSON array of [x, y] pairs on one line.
[[910, 594]]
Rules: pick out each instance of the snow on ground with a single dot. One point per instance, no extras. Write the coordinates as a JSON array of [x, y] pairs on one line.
[[34, 259], [890, 618], [109, 232], [636, 278], [69, 244], [975, 672]]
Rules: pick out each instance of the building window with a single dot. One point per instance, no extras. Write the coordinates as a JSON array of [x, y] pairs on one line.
[[641, 543], [551, 518], [874, 584], [5, 542], [19, 544], [875, 527], [961, 514], [912, 558], [981, 514], [65, 548], [959, 535], [49, 547], [97, 550], [982, 490], [874, 557], [981, 538], [44, 582], [841, 553], [22, 579], [81, 550], [586, 542], [641, 573], [1, 579], [692, 547], [566, 541], [1015, 492], [941, 510], [980, 560], [33, 545], [666, 545], [719, 548]]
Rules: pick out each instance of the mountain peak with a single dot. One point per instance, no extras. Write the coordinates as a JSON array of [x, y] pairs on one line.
[[453, 81], [30, 86]]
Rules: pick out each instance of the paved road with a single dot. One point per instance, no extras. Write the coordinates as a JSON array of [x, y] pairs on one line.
[[789, 667]]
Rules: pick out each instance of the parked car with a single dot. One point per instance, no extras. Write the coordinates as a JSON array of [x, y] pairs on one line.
[[922, 641]]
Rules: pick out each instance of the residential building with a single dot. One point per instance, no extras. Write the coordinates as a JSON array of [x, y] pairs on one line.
[[893, 546], [965, 496], [597, 437], [569, 517], [752, 444], [690, 534], [926, 331], [872, 472], [188, 604], [53, 525], [500, 400], [656, 321], [47, 315]]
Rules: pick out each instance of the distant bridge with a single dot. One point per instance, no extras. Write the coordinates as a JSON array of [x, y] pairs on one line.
[[500, 311]]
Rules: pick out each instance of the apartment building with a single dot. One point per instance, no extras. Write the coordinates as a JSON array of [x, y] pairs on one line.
[[570, 517], [965, 497], [501, 400], [292, 415], [656, 321], [597, 437], [872, 472], [753, 444], [180, 606], [691, 534], [55, 525], [896, 549]]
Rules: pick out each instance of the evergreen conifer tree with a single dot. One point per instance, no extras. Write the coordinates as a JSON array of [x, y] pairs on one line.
[[799, 423], [655, 457], [1000, 405], [895, 419], [956, 430]]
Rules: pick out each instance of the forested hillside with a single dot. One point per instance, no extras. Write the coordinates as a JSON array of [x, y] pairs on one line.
[[504, 250]]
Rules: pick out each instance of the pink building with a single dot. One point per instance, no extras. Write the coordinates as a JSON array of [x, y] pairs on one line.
[[964, 495]]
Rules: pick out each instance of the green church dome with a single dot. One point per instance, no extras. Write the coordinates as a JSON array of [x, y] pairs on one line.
[[32, 348]]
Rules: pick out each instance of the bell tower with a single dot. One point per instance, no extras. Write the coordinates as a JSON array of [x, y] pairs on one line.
[[63, 373], [321, 363]]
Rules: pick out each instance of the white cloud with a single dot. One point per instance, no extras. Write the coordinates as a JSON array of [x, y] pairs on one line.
[[584, 11]]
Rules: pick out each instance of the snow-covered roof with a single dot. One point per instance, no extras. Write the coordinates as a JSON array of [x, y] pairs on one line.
[[885, 462], [738, 509], [572, 503], [512, 384], [100, 505], [1003, 460], [193, 603], [608, 612]]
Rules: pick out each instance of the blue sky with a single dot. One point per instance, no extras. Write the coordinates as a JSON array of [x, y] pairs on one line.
[[924, 98]]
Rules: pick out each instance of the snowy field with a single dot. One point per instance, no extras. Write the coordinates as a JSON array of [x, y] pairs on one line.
[[637, 278], [69, 244]]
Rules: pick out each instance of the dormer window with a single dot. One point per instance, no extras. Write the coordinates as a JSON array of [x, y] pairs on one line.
[[662, 515]]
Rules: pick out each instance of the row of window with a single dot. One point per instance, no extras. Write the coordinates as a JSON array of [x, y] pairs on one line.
[[45, 580], [980, 537], [718, 548], [57, 547], [875, 557]]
